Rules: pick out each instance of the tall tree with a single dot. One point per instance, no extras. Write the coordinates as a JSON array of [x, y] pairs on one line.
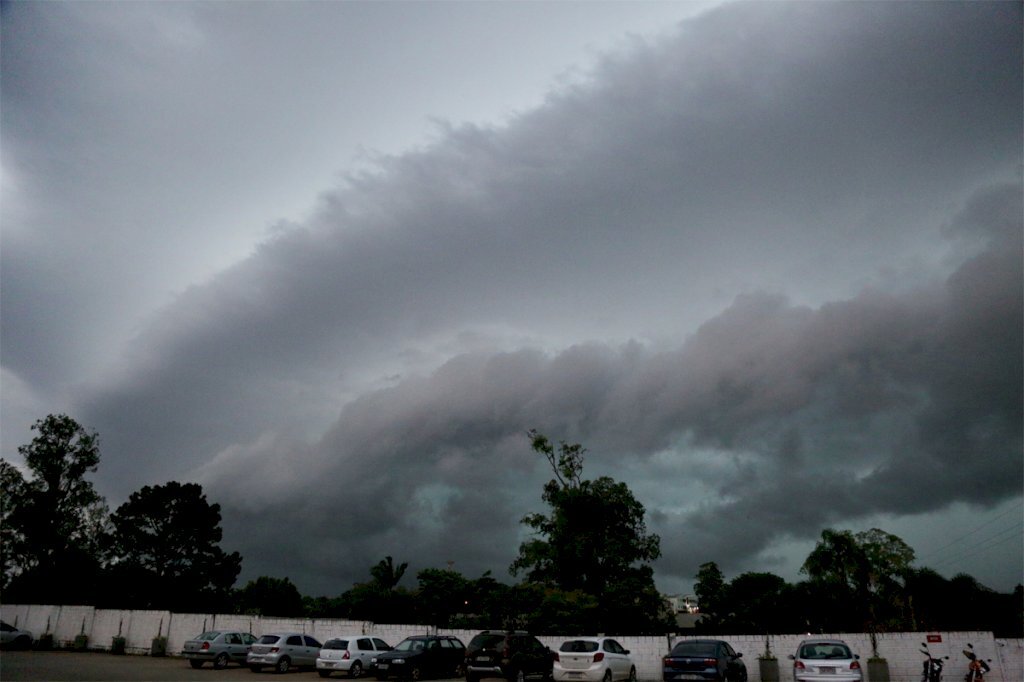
[[593, 538], [710, 591], [165, 552], [386, 575], [55, 517], [269, 596]]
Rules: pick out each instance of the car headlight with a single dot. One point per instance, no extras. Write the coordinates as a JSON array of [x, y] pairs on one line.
[[398, 661]]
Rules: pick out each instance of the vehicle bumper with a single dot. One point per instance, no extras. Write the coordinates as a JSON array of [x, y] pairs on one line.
[[585, 674], [827, 677], [485, 670], [688, 676], [198, 655], [330, 664], [262, 659]]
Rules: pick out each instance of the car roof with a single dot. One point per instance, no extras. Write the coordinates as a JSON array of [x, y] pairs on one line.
[[822, 641], [586, 639], [281, 633]]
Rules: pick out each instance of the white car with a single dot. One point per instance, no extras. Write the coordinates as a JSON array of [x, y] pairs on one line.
[[818, 660], [349, 654], [593, 659], [283, 651], [14, 638]]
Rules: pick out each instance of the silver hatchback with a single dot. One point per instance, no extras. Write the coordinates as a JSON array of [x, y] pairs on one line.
[[283, 651], [825, 660]]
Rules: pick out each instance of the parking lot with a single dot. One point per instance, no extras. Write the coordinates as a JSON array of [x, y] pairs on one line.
[[57, 666]]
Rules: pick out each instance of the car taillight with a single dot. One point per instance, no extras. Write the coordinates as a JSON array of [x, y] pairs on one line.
[[554, 656], [205, 646], [799, 665], [598, 657], [711, 662], [345, 656], [855, 665]]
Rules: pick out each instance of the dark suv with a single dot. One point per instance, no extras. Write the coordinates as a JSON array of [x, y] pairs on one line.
[[515, 655]]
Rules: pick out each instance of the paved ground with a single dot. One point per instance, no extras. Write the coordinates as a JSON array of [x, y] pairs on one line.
[[60, 666]]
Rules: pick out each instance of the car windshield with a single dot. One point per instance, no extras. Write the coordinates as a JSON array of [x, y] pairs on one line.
[[488, 641], [410, 645], [824, 650], [336, 644], [578, 646], [269, 639], [694, 649], [210, 636]]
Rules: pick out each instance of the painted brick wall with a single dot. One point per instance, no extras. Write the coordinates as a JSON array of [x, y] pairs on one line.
[[900, 649]]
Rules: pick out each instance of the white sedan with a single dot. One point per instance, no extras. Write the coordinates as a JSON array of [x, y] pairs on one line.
[[593, 659]]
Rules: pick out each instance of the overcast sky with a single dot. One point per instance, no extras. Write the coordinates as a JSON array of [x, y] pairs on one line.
[[333, 260]]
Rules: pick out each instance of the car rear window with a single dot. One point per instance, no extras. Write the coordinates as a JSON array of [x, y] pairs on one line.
[[578, 646], [694, 649], [488, 641], [269, 639], [821, 651], [208, 636], [341, 644]]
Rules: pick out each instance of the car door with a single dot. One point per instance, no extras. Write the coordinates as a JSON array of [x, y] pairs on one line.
[[233, 645], [364, 652], [311, 650], [616, 657], [734, 665]]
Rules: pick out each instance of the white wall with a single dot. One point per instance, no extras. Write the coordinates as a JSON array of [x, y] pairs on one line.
[[900, 649]]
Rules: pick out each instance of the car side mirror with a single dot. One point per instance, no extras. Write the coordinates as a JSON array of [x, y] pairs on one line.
[[626, 651], [856, 656], [739, 654], [792, 657]]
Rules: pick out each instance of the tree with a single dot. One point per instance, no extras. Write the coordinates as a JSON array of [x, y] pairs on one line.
[[868, 572], [442, 594], [386, 575], [53, 520], [266, 596], [710, 591], [164, 550], [593, 539]]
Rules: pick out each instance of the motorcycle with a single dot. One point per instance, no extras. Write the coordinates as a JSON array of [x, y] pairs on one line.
[[976, 668], [932, 669]]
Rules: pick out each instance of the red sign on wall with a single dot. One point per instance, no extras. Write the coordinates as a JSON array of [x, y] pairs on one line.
[[932, 639]]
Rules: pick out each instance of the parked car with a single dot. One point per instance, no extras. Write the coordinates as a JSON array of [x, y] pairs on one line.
[[703, 659], [825, 659], [283, 651], [14, 638], [515, 655], [349, 654], [218, 647], [416, 658], [593, 659]]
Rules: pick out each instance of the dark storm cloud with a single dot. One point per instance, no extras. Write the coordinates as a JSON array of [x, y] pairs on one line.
[[828, 413], [814, 151]]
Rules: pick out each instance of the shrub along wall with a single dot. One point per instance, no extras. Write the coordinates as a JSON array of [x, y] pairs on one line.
[[139, 628]]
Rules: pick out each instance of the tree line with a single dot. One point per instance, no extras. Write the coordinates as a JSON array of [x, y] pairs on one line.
[[586, 567]]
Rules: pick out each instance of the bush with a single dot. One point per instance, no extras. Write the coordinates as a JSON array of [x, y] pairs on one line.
[[117, 646]]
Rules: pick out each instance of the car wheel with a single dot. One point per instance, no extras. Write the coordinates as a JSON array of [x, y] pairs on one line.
[[195, 664], [415, 674], [221, 661], [608, 675], [283, 664], [520, 676], [460, 670], [632, 674], [355, 671], [470, 677]]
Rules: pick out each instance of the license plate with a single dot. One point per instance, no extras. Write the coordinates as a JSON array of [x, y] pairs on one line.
[[827, 671], [689, 676], [576, 676], [382, 666], [484, 659], [329, 664]]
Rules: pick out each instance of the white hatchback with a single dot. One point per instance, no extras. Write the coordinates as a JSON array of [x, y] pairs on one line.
[[349, 654], [825, 660], [593, 659]]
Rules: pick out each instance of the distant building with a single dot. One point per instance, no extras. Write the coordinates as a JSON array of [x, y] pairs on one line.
[[686, 610]]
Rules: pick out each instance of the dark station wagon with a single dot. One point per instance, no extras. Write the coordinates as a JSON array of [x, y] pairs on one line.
[[703, 659]]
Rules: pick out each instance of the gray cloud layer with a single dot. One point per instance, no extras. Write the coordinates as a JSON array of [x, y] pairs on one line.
[[766, 269]]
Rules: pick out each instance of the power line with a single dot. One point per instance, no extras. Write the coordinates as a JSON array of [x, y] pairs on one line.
[[997, 540], [972, 532]]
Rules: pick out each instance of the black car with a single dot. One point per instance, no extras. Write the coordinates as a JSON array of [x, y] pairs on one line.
[[703, 659], [515, 655], [416, 658]]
